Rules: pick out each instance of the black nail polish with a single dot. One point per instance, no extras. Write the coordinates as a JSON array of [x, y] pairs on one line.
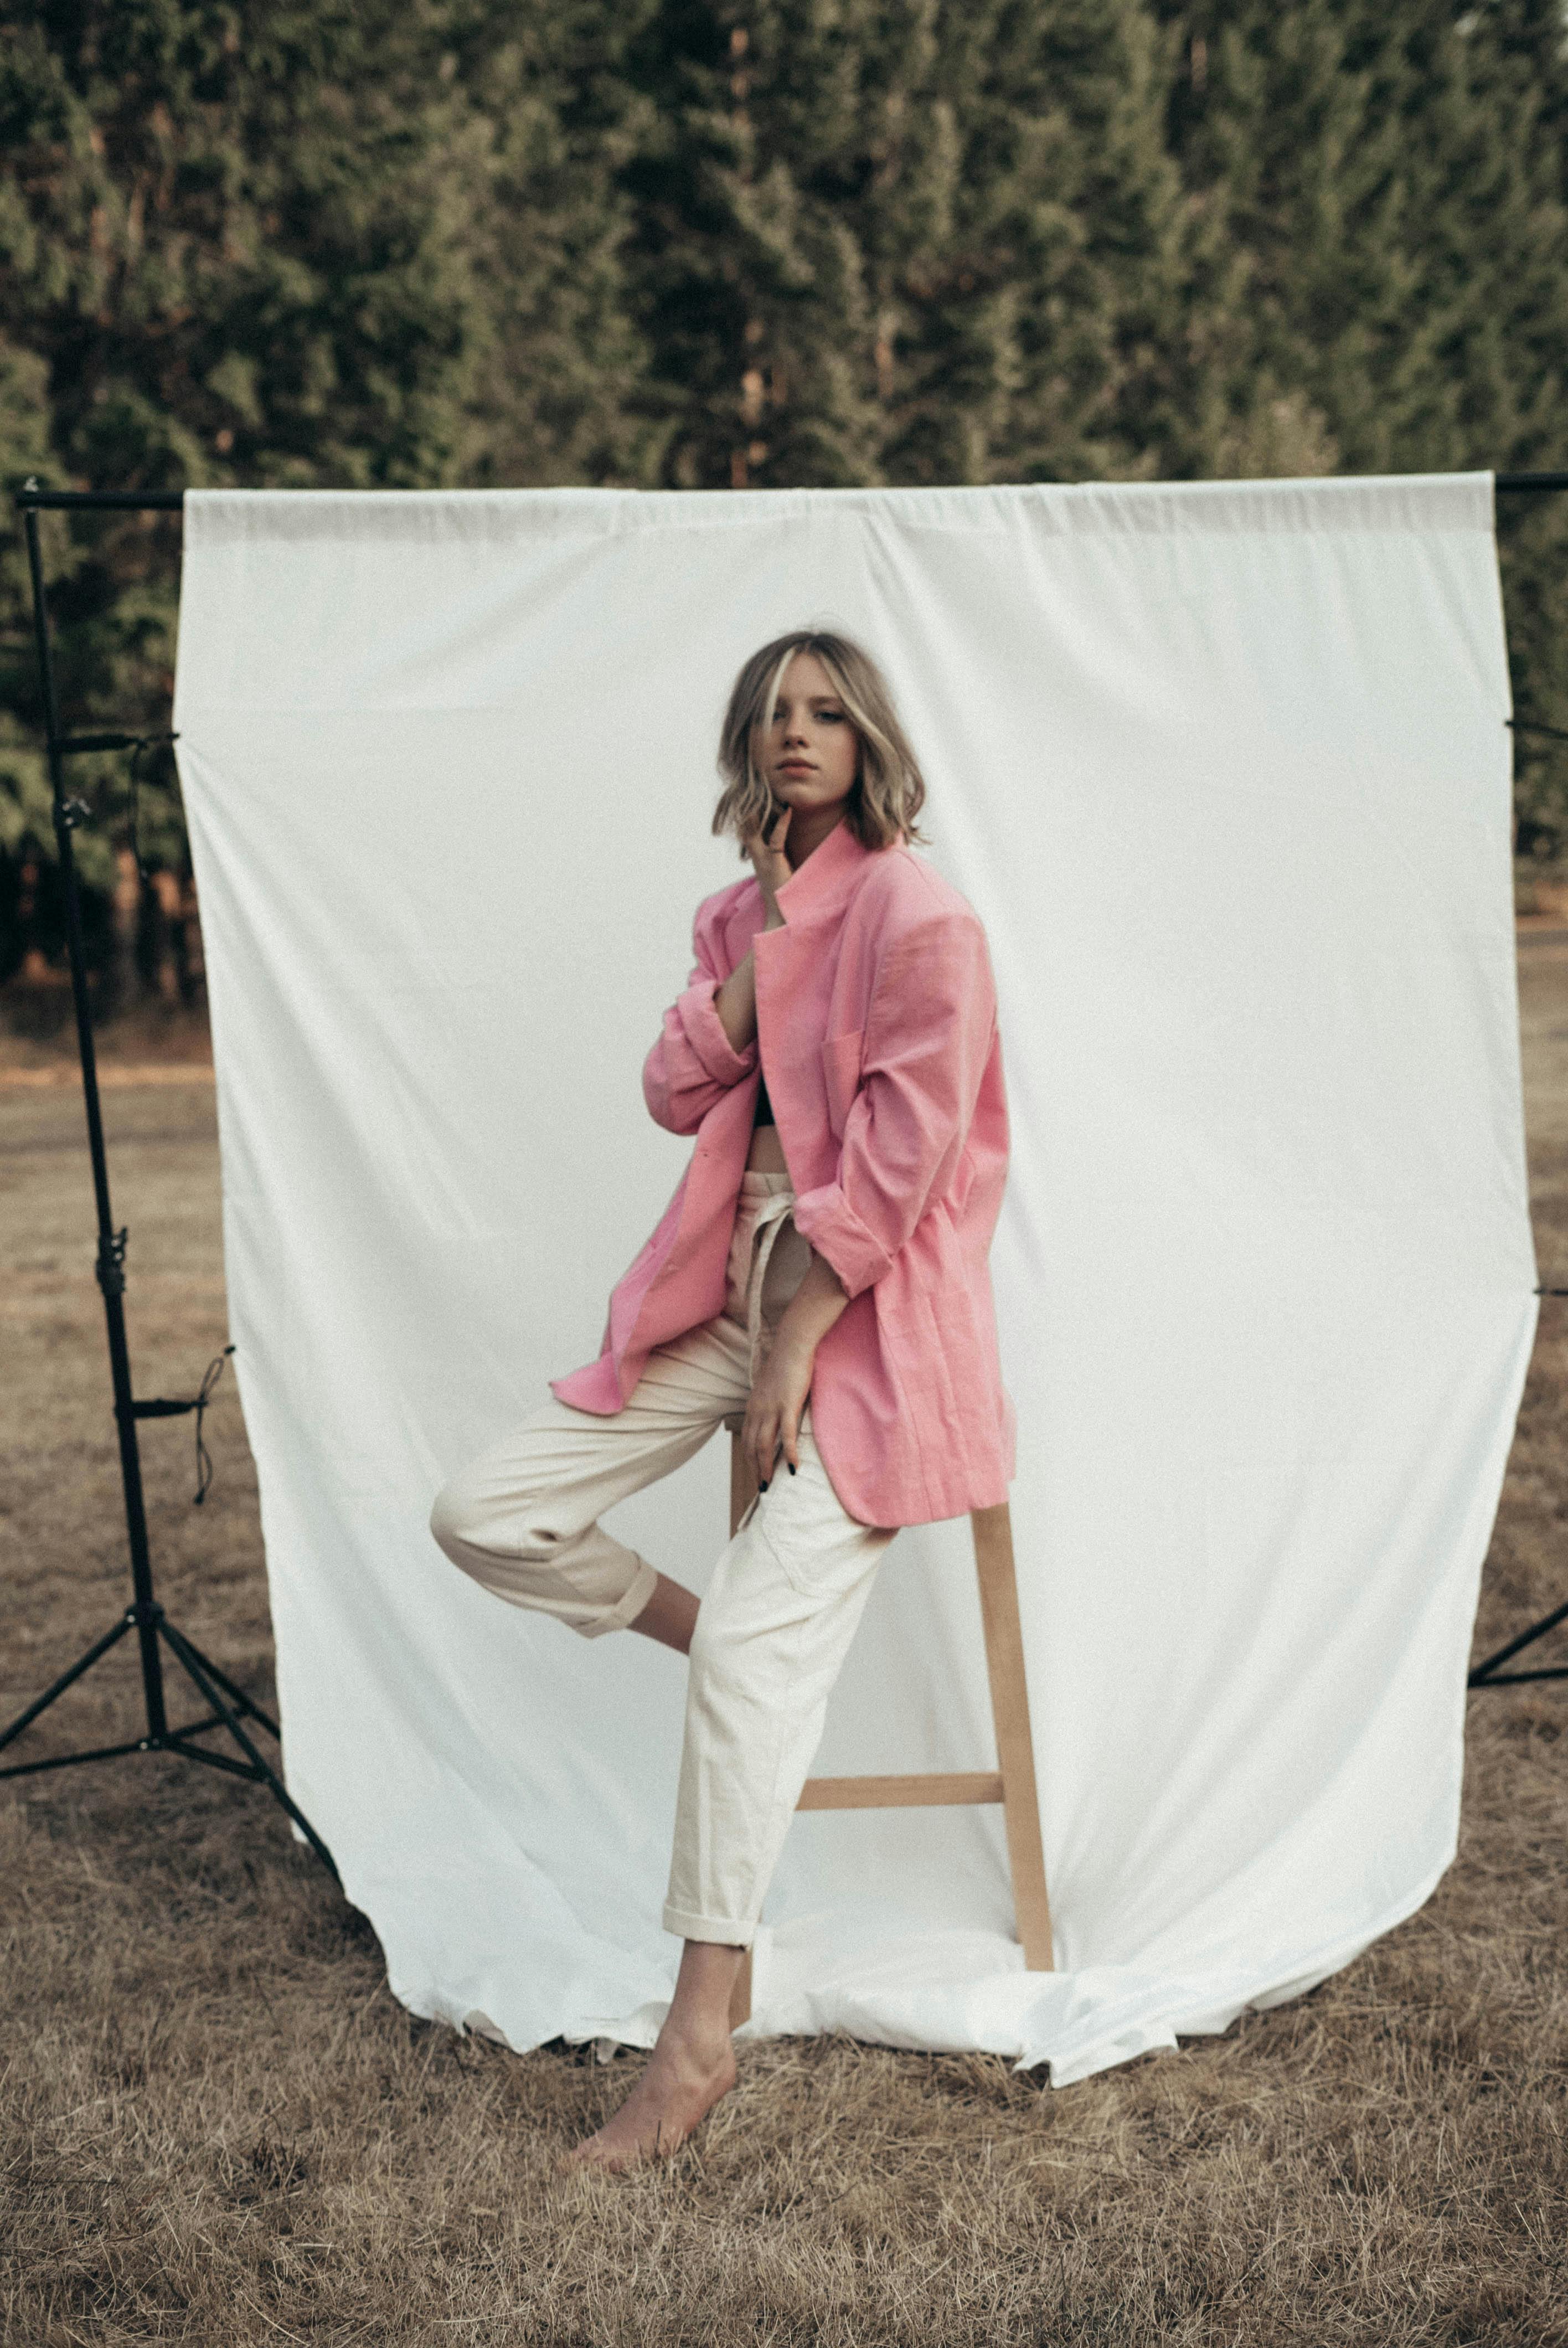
[[764, 1485], [791, 1466]]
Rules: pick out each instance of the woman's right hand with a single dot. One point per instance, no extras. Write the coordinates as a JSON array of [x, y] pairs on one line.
[[736, 1001], [769, 862]]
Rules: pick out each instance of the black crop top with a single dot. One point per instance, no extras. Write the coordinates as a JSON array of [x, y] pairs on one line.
[[764, 1115]]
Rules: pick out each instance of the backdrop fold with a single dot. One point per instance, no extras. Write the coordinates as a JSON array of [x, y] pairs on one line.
[[1224, 770]]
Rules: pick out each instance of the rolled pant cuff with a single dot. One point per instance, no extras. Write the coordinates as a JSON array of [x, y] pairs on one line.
[[725, 1930], [625, 1610]]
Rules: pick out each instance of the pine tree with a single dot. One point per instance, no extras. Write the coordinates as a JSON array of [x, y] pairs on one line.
[[909, 242], [1408, 267], [1520, 72], [364, 242], [748, 280], [554, 394], [718, 242], [1386, 187]]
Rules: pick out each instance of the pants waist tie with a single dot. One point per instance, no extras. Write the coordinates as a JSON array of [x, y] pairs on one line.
[[772, 1215]]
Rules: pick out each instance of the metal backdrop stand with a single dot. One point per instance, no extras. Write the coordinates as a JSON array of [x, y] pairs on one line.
[[1487, 1674], [228, 1707]]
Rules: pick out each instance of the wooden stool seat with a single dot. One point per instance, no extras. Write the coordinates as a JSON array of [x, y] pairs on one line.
[[1012, 1783]]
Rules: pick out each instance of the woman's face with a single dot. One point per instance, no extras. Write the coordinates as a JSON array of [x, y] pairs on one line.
[[810, 753]]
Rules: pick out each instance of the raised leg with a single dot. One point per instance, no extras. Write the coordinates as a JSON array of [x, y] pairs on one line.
[[522, 1519], [670, 1615]]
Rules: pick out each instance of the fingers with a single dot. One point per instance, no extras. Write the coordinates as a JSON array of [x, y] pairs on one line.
[[759, 1441], [769, 860], [762, 1438]]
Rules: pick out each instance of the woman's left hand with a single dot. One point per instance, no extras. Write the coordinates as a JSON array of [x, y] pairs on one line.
[[779, 1394]]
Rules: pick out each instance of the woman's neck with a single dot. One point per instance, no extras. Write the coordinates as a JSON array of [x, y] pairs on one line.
[[814, 830]]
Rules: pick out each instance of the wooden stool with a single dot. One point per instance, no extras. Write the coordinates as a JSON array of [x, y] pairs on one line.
[[1012, 1783]]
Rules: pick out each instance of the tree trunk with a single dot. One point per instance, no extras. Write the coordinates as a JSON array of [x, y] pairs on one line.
[[121, 974]]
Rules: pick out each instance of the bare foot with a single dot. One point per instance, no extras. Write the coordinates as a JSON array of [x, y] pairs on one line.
[[686, 2076]]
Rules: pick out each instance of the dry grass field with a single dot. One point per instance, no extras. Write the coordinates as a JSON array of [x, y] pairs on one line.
[[217, 2127]]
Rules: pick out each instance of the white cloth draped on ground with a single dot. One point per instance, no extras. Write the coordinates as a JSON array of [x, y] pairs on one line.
[[1225, 770]]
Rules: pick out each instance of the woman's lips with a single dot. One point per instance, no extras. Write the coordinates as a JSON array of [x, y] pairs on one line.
[[796, 766]]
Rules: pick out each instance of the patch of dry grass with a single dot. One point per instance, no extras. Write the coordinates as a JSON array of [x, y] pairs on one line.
[[216, 2125]]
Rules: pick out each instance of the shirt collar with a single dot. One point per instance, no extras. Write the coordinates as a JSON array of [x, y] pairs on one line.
[[827, 875]]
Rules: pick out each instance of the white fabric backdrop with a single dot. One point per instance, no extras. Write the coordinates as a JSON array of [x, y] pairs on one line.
[[1224, 770]]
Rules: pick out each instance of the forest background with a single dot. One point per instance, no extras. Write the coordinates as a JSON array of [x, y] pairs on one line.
[[408, 244]]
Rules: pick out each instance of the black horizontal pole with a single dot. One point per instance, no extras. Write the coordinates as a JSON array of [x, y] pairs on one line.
[[100, 500], [1558, 734], [172, 500], [96, 742]]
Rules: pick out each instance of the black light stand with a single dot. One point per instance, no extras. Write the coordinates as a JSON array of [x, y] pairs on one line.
[[228, 1707], [1489, 1674]]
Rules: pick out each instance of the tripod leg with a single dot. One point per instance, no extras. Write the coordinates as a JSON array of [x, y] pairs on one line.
[[196, 1670], [1482, 1674], [66, 1679], [241, 1702]]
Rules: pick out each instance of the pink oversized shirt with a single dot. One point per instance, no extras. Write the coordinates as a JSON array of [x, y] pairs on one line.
[[877, 1031]]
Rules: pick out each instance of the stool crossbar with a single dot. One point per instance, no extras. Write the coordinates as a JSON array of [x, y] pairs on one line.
[[1012, 1783]]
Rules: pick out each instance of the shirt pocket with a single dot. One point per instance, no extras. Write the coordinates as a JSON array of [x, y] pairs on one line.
[[841, 1075]]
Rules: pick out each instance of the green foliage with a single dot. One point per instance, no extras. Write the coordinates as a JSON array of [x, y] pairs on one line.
[[361, 243], [1385, 186], [910, 243], [706, 243], [260, 242]]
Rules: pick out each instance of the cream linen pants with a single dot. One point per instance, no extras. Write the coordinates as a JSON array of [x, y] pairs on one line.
[[776, 1620]]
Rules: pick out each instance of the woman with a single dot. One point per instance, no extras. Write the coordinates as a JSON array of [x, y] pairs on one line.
[[853, 1312]]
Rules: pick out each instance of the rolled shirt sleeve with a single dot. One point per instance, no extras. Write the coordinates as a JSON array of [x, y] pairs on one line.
[[693, 1062], [927, 1039]]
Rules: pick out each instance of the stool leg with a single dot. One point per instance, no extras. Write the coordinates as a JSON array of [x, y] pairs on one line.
[[1015, 1752]]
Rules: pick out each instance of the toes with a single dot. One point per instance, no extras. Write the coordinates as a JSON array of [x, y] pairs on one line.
[[589, 2154]]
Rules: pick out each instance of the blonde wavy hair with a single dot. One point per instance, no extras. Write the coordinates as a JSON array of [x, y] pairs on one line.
[[889, 791]]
